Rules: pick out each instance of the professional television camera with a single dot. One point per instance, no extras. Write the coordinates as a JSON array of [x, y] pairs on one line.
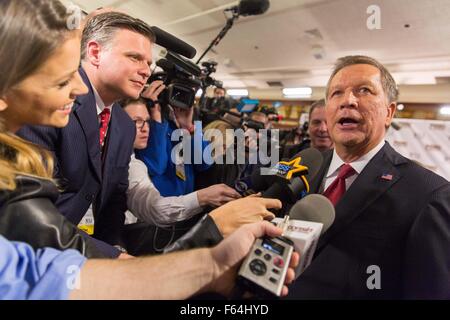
[[271, 113], [182, 79], [209, 67]]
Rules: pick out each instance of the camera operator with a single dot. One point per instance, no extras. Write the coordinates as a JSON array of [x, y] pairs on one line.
[[219, 103], [219, 92], [171, 179], [232, 173]]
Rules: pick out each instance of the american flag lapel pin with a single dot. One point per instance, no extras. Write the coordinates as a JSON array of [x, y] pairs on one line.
[[387, 177]]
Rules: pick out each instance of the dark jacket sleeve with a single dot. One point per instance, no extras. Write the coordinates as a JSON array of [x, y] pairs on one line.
[[109, 223], [204, 234], [29, 215], [45, 137], [37, 222], [427, 252]]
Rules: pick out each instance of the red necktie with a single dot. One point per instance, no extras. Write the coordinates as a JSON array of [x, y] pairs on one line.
[[337, 189], [105, 115]]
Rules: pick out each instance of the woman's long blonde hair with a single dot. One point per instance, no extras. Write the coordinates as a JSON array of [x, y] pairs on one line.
[[30, 32], [209, 134]]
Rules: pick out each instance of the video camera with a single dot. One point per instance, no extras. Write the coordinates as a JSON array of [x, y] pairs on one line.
[[182, 79], [209, 67], [271, 113], [252, 124]]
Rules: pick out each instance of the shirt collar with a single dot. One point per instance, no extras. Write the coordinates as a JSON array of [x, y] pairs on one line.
[[99, 102], [358, 165]]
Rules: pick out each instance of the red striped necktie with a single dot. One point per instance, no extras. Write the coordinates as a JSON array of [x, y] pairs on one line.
[[105, 115]]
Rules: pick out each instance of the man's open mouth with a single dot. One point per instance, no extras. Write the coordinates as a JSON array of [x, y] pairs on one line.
[[345, 121]]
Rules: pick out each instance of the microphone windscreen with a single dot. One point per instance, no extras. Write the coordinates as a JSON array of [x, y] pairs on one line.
[[277, 191], [260, 182], [314, 208], [313, 159], [174, 44], [253, 7]]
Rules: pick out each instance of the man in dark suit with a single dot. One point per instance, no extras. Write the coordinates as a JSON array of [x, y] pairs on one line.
[[391, 236], [93, 151]]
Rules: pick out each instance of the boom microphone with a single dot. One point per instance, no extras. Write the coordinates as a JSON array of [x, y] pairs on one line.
[[253, 7], [174, 44]]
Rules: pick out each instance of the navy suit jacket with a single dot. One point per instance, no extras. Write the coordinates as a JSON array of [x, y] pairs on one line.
[[400, 225], [79, 169]]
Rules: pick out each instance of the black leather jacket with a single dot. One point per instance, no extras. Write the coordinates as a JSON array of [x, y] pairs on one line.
[[204, 234], [28, 214]]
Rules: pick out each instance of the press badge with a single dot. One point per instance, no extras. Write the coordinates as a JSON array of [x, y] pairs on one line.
[[181, 173], [179, 166], [87, 223]]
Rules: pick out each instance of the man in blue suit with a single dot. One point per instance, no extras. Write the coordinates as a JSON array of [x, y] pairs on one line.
[[93, 151]]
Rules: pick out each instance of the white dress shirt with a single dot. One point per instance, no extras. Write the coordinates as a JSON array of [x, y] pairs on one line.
[[100, 104], [146, 203], [357, 165]]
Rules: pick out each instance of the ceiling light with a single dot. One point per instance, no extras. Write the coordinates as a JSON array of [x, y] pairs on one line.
[[400, 107], [303, 92], [445, 111], [237, 92]]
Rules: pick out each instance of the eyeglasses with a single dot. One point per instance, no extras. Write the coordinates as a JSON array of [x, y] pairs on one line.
[[140, 124]]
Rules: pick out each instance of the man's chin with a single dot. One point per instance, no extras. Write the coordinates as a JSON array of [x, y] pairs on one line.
[[132, 94], [347, 138], [350, 143], [324, 146]]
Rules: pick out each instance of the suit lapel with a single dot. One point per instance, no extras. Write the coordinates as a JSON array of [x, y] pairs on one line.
[[86, 112], [367, 187], [317, 181]]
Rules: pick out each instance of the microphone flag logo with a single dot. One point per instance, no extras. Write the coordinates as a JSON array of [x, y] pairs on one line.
[[287, 169]]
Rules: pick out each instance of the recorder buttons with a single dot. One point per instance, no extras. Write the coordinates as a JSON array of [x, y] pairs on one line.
[[258, 267]]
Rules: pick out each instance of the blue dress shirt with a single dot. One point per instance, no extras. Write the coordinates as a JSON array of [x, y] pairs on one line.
[[45, 274]]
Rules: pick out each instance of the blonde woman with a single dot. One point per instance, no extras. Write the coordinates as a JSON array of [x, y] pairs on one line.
[[38, 85]]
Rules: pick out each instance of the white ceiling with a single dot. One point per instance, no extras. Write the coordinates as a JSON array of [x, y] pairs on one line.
[[277, 46]]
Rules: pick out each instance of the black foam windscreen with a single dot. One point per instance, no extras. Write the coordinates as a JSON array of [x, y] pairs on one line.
[[313, 159], [253, 7], [174, 44]]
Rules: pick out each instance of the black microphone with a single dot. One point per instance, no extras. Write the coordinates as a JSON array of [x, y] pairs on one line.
[[252, 7], [273, 185], [174, 44], [292, 178]]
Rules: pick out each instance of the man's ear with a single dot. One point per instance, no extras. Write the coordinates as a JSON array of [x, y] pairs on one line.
[[93, 52], [390, 113], [3, 104]]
